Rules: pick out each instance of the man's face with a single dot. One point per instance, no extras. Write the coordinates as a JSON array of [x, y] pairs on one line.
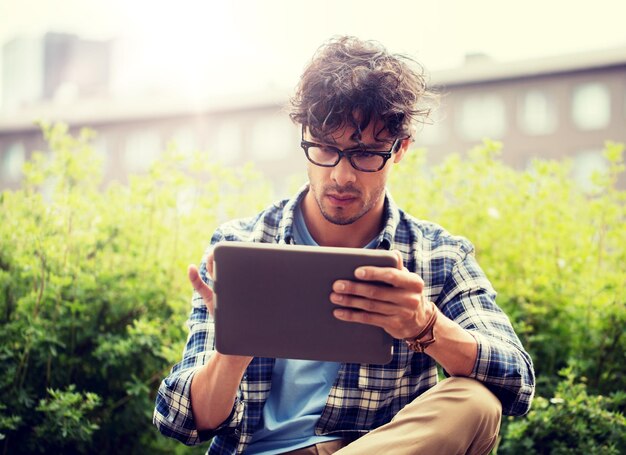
[[343, 193]]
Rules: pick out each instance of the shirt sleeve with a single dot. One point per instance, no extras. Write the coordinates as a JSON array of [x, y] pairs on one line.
[[172, 414], [502, 364]]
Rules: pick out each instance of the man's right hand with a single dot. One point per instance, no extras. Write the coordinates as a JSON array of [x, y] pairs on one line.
[[214, 387], [206, 293]]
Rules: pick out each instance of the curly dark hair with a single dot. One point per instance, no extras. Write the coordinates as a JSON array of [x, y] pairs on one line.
[[352, 82]]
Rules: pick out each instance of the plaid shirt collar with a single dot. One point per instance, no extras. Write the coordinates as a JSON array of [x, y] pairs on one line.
[[391, 216]]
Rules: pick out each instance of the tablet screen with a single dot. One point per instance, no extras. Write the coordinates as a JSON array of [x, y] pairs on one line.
[[273, 301]]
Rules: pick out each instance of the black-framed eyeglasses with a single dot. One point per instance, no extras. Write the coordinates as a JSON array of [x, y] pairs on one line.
[[361, 159]]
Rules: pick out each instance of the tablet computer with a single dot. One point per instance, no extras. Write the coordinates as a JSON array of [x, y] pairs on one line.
[[274, 301]]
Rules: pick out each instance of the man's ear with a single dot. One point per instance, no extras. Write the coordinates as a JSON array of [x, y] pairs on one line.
[[404, 146]]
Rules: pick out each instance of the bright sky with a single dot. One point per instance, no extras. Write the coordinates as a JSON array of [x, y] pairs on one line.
[[248, 45]]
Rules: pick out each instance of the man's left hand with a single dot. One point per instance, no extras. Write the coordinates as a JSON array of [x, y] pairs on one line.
[[400, 309]]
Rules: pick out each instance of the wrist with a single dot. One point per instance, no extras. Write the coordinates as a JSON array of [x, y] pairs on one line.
[[232, 362], [426, 336]]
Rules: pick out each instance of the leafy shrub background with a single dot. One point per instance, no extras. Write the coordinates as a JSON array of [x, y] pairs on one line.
[[570, 422], [93, 290], [93, 293], [556, 256]]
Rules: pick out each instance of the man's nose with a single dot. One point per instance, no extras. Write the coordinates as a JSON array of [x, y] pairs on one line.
[[343, 173]]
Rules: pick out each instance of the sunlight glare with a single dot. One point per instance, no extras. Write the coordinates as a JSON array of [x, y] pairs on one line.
[[184, 54]]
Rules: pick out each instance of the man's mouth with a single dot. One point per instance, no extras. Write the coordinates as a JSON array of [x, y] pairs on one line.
[[341, 198]]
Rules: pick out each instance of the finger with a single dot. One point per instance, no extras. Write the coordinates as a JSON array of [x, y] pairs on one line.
[[210, 263], [362, 317], [376, 292], [400, 278], [400, 262], [371, 306], [200, 286], [396, 326], [390, 324]]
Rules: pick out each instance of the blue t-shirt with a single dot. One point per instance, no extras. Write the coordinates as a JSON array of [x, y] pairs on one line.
[[299, 390]]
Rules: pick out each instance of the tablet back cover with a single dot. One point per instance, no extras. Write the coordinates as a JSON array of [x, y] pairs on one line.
[[273, 301]]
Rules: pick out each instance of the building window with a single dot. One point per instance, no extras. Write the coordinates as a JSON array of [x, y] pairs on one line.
[[185, 140], [482, 116], [272, 138], [538, 113], [591, 106], [12, 161], [586, 164], [228, 142], [142, 149], [101, 150]]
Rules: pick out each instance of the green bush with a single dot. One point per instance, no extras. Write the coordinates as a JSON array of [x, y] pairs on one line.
[[93, 289], [555, 254], [572, 422], [93, 292], [66, 417]]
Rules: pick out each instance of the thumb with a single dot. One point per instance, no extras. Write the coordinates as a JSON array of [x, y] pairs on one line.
[[399, 261], [200, 286]]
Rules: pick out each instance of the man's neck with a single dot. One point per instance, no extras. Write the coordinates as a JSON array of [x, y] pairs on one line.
[[354, 235]]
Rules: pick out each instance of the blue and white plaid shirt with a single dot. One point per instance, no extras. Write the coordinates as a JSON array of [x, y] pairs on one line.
[[363, 397]]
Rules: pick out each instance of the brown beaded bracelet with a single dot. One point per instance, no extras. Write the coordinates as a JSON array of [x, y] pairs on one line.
[[415, 344]]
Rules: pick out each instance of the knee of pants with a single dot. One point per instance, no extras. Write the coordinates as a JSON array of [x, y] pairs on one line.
[[478, 402]]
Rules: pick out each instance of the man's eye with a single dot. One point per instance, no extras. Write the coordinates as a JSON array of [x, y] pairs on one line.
[[365, 155]]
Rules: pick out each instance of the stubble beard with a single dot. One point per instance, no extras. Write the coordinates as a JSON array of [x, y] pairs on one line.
[[339, 217]]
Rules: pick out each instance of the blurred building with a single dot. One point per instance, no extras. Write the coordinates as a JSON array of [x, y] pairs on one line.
[[565, 106], [57, 67], [22, 73], [548, 108], [75, 68]]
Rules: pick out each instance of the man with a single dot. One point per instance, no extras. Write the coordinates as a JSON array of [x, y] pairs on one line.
[[358, 106]]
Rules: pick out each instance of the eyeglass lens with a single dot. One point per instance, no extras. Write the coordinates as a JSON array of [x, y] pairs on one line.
[[361, 160]]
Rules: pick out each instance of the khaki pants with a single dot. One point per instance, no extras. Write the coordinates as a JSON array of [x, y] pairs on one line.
[[457, 416]]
